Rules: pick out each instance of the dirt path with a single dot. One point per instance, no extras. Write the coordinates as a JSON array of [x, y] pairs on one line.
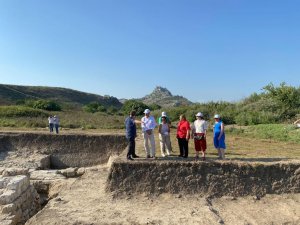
[[86, 202]]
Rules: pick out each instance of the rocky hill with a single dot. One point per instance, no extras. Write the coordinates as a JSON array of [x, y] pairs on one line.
[[163, 97], [11, 94]]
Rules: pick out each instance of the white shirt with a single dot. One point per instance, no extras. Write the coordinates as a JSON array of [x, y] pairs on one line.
[[148, 123], [51, 120], [200, 126]]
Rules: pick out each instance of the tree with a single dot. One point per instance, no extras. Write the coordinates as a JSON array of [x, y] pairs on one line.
[[94, 107], [286, 97], [138, 106], [46, 105]]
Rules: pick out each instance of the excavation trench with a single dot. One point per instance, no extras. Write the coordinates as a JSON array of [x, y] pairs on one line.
[[52, 160], [34, 167]]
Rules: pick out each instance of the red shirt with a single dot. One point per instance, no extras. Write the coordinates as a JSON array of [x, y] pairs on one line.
[[182, 128]]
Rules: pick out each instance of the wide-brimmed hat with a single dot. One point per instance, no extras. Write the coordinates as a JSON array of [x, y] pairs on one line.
[[147, 111], [199, 114]]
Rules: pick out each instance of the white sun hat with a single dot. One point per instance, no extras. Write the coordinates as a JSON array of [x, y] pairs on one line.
[[199, 114], [164, 114], [217, 116], [147, 111]]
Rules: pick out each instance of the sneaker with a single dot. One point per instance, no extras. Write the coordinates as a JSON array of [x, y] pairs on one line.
[[135, 156], [129, 158], [148, 157], [163, 155], [196, 158], [203, 158]]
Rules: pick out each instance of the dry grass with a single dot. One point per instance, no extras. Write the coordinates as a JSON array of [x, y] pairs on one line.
[[237, 148]]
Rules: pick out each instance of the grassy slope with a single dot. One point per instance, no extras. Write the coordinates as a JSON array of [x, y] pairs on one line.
[[10, 94]]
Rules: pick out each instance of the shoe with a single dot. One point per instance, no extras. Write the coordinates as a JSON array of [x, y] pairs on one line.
[[180, 155], [203, 158], [135, 156], [163, 155], [130, 158], [148, 157], [196, 158]]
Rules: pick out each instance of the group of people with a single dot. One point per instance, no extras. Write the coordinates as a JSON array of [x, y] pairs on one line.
[[53, 124], [185, 131]]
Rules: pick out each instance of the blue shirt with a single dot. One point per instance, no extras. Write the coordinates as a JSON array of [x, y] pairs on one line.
[[130, 128]]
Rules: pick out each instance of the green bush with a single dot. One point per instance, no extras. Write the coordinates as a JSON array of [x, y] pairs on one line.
[[94, 107], [46, 105], [21, 111], [138, 106]]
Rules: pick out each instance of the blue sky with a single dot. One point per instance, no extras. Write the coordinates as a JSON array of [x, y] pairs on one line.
[[203, 50]]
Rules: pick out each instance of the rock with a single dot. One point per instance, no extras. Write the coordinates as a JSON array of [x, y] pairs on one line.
[[80, 171], [15, 171]]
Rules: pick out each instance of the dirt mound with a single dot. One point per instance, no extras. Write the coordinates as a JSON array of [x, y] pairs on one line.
[[207, 178]]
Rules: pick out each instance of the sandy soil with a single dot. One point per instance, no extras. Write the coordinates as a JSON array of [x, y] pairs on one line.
[[85, 201]]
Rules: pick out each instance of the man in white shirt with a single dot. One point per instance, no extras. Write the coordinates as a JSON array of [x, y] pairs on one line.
[[51, 123], [148, 126]]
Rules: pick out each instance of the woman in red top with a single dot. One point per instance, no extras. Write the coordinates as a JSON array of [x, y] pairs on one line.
[[183, 136]]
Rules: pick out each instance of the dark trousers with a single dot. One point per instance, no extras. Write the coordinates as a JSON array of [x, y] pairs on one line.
[[183, 147], [56, 128], [131, 148], [51, 127]]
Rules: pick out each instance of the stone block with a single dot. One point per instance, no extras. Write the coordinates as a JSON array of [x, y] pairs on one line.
[[9, 208], [15, 171], [8, 197]]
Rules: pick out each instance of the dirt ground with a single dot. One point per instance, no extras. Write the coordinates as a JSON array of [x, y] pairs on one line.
[[85, 201]]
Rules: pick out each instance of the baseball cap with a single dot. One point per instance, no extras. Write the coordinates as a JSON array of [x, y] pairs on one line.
[[199, 114], [217, 116], [147, 111], [164, 114]]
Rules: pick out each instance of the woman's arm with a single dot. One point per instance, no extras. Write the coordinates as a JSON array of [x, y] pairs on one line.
[[222, 131]]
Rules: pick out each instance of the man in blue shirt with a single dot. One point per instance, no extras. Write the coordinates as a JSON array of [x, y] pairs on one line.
[[131, 135]]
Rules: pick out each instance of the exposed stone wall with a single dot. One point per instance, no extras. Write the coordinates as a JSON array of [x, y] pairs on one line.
[[18, 198], [207, 178], [71, 150]]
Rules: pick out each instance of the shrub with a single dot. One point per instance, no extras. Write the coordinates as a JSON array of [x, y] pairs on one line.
[[138, 106], [21, 111], [94, 107], [46, 105]]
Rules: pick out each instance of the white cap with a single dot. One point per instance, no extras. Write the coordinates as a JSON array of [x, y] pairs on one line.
[[147, 111], [164, 114], [199, 114], [217, 116]]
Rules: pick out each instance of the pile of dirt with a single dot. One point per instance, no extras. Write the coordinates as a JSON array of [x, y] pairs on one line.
[[213, 178]]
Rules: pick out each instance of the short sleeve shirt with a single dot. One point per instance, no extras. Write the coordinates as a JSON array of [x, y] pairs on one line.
[[182, 129]]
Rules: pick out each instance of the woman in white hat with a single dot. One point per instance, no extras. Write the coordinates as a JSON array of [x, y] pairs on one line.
[[219, 136], [199, 133]]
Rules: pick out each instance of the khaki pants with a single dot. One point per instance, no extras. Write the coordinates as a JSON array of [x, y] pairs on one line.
[[148, 138], [165, 144]]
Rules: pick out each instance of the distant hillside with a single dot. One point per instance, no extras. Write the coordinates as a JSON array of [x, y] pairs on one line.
[[163, 97], [11, 94]]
